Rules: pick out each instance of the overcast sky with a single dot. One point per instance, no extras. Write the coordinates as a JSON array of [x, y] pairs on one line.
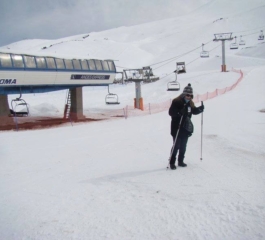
[[52, 19]]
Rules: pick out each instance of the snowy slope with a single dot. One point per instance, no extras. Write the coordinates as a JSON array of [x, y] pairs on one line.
[[108, 179]]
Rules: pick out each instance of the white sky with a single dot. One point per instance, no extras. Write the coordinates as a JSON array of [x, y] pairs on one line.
[[51, 19]]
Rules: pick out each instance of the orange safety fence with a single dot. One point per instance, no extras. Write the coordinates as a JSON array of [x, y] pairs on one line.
[[151, 108]]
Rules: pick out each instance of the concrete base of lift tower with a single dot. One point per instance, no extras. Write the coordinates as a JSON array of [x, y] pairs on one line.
[[223, 68]]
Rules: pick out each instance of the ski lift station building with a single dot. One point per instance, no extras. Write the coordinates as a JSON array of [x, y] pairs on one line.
[[21, 74]]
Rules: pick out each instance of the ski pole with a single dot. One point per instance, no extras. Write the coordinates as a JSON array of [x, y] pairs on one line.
[[175, 141], [201, 129]]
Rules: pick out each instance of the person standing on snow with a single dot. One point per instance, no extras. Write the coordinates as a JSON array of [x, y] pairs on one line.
[[181, 111]]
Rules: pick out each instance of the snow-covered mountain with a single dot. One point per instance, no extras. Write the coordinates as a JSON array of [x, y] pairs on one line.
[[153, 42], [108, 179]]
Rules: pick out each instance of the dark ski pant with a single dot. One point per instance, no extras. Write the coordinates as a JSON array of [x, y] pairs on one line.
[[180, 146]]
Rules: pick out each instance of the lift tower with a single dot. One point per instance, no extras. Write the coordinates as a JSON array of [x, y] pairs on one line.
[[223, 37]]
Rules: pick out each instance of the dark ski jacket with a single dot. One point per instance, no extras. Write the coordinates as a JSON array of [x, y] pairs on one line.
[[178, 109]]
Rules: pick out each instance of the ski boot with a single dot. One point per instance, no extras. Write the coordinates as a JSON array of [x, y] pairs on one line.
[[173, 167]]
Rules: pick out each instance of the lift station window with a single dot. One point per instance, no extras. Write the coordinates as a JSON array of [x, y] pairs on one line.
[[105, 65], [77, 65], [50, 63], [59, 63], [98, 65], [84, 65], [68, 64], [91, 64], [111, 66], [5, 60], [37, 62], [41, 63], [17, 61], [30, 61]]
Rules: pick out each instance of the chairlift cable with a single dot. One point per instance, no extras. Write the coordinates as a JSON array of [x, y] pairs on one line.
[[249, 34], [166, 75], [215, 47], [121, 67], [175, 58], [250, 29], [178, 56], [192, 61], [200, 57]]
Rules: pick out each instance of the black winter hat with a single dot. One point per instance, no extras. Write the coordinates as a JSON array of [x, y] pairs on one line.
[[188, 90]]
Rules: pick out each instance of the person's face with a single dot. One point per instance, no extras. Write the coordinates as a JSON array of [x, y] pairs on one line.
[[188, 96]]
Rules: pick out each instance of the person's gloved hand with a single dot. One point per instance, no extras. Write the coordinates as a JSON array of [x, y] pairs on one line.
[[201, 108]]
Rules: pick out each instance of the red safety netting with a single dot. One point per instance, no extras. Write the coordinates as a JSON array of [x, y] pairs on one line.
[[150, 108]]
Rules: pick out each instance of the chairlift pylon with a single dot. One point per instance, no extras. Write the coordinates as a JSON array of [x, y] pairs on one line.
[[111, 98], [174, 85], [204, 53]]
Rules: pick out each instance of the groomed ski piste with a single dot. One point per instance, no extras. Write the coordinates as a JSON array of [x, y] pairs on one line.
[[108, 179]]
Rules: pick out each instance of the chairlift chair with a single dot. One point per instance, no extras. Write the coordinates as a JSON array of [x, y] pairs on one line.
[[261, 36], [204, 54], [181, 68], [242, 42], [18, 104], [111, 98], [174, 85], [234, 45]]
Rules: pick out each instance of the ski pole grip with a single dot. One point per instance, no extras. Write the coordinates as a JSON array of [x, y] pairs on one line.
[[201, 103]]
